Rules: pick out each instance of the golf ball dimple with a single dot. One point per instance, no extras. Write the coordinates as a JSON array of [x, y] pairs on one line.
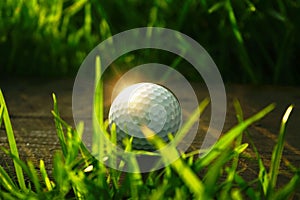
[[145, 104]]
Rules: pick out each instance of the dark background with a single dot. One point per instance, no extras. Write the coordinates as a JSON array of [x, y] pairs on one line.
[[251, 41]]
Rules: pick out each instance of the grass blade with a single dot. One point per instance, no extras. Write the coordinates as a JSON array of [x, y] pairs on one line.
[[12, 143], [59, 128], [98, 95], [98, 111], [277, 153], [45, 176]]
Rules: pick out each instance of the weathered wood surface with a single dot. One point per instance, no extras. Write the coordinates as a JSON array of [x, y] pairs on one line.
[[30, 102]]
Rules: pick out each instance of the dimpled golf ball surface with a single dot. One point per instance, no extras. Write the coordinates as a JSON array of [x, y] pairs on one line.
[[145, 104]]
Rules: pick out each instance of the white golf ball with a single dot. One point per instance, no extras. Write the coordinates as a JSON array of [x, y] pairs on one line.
[[145, 104]]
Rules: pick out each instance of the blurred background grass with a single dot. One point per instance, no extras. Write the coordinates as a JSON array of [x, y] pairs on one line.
[[251, 41]]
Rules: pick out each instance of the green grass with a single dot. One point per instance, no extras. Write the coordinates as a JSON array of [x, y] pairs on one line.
[[256, 39], [12, 142], [78, 175]]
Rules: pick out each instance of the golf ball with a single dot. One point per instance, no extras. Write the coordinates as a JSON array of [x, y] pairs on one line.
[[145, 104]]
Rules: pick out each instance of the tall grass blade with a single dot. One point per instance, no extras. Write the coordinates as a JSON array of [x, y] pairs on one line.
[[98, 147], [12, 143], [98, 111], [98, 95], [277, 153], [59, 128]]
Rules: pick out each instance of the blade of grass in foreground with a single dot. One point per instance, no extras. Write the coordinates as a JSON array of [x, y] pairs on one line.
[[277, 154], [98, 148], [12, 143], [59, 129], [98, 97], [98, 119]]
